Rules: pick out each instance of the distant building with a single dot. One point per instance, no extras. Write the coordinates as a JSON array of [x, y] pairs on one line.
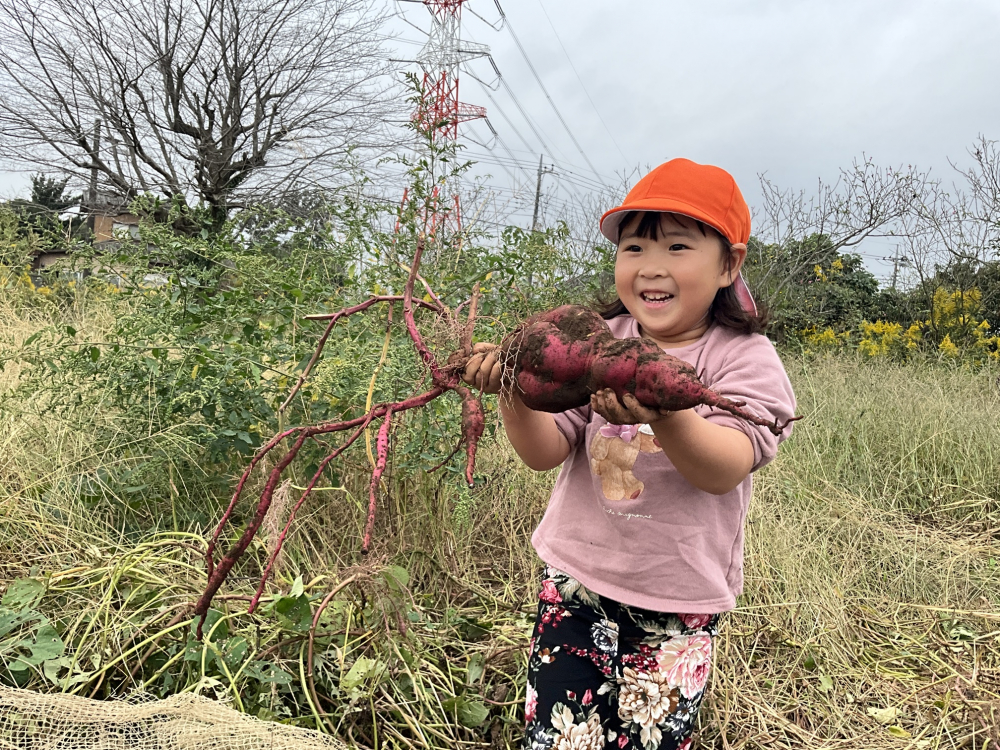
[[111, 219], [109, 222]]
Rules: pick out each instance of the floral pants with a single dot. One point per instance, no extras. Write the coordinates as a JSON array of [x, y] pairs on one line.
[[603, 675]]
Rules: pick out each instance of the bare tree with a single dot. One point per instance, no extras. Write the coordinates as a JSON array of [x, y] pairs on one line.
[[865, 201], [952, 235], [964, 218], [214, 101]]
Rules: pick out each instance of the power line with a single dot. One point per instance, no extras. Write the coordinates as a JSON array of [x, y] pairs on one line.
[[598, 184], [503, 114], [582, 84], [568, 175], [517, 103], [582, 180], [503, 145], [538, 78], [570, 180], [524, 114]]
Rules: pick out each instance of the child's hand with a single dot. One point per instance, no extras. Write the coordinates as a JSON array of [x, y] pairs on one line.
[[606, 404], [483, 370]]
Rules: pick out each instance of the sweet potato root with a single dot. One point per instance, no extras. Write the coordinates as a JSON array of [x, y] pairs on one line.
[[560, 357]]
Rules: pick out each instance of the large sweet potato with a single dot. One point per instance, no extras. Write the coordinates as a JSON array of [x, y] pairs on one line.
[[560, 357]]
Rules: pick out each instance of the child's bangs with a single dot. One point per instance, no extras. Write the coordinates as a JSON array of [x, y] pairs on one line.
[[649, 223]]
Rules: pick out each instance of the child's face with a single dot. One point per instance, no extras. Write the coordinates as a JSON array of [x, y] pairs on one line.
[[668, 284]]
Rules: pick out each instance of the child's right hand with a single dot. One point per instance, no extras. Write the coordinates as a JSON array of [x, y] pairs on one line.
[[483, 370]]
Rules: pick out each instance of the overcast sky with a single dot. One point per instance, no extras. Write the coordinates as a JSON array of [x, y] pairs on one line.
[[795, 89], [792, 88]]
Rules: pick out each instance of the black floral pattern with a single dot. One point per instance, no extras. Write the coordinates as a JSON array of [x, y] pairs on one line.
[[605, 676]]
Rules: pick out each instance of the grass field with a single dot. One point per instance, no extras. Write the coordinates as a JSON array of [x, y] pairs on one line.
[[871, 616]]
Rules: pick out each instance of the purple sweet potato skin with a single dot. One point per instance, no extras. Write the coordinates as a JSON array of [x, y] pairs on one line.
[[550, 356], [668, 382], [473, 425], [560, 357]]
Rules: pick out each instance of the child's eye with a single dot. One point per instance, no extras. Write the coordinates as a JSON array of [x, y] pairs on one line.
[[678, 246], [629, 248]]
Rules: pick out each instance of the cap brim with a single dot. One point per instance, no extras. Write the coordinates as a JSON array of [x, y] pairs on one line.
[[611, 221]]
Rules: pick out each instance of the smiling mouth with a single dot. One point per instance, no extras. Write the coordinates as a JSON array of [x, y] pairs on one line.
[[655, 296]]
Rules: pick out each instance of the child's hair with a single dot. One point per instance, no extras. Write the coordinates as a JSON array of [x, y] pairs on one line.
[[726, 309]]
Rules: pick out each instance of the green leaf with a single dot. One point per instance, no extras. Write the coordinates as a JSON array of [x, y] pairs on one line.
[[234, 651], [294, 612], [70, 331], [471, 629], [477, 665], [220, 633], [265, 671], [361, 671], [897, 731], [825, 683], [11, 620], [53, 667], [95, 354], [397, 577], [471, 712], [298, 587], [47, 645], [23, 593]]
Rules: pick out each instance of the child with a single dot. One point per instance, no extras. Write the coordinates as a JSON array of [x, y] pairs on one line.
[[643, 535]]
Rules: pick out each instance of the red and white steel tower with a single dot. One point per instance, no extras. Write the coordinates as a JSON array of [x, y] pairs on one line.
[[439, 111]]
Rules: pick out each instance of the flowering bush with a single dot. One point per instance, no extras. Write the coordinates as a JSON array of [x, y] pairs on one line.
[[953, 330]]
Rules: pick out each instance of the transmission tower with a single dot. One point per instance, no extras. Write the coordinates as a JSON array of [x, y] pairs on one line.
[[439, 111]]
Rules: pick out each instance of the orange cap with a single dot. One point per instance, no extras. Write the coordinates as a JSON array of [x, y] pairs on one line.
[[681, 186], [701, 191]]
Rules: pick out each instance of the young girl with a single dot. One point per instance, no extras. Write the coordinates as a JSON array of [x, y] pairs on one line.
[[643, 535]]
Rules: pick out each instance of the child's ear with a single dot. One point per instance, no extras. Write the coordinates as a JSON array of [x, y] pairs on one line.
[[737, 256]]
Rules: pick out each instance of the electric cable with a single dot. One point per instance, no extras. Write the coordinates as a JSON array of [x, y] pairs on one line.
[[582, 84], [545, 91]]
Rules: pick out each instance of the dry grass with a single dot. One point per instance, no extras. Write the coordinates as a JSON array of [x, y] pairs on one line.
[[871, 616]]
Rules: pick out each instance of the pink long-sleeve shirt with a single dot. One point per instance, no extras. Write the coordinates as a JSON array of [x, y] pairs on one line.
[[625, 523]]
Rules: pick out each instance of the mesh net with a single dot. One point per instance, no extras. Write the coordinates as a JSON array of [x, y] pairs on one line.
[[35, 721]]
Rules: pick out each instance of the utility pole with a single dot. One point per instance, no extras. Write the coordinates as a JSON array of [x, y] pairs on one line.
[[897, 261], [91, 210], [93, 162], [538, 191]]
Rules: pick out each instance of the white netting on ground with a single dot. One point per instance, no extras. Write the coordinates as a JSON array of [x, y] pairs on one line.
[[37, 721]]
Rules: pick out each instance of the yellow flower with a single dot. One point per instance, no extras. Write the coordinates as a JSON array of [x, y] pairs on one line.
[[880, 337], [869, 347], [948, 348]]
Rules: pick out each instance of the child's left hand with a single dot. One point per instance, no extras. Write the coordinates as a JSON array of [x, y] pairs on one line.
[[626, 411]]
